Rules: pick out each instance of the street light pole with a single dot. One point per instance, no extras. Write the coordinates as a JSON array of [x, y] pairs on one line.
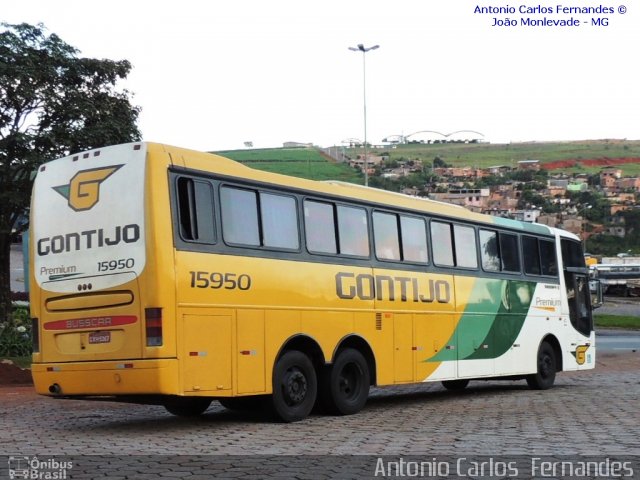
[[364, 50]]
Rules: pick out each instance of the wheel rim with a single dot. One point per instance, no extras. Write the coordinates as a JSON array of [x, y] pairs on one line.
[[349, 381], [294, 386]]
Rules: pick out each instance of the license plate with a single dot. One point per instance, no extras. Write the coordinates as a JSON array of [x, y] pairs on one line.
[[99, 337]]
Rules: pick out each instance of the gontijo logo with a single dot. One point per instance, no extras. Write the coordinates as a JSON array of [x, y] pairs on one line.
[[581, 354], [83, 191]]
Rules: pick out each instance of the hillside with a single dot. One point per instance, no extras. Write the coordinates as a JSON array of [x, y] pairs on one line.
[[571, 157], [482, 155]]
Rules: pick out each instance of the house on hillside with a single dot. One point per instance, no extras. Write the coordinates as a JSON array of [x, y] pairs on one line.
[[529, 165], [498, 170], [631, 183], [609, 173], [467, 197]]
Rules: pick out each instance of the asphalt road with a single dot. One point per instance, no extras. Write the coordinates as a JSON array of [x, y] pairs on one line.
[[617, 340]]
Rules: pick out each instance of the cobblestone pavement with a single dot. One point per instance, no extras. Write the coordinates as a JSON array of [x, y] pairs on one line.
[[588, 413]]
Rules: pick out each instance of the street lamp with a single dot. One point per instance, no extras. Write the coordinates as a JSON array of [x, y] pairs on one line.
[[364, 50]]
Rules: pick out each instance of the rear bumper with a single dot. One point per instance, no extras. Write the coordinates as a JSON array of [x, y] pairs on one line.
[[124, 377]]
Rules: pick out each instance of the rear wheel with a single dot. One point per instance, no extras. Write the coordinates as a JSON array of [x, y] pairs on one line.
[[455, 385], [295, 386], [546, 374], [187, 406], [345, 385]]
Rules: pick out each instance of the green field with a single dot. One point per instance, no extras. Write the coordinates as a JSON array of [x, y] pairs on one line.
[[485, 155], [309, 163], [297, 162]]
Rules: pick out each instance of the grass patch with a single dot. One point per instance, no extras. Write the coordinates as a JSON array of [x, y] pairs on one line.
[[311, 170], [296, 162], [617, 321], [274, 155]]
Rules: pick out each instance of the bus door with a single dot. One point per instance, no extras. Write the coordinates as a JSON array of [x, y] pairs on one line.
[[576, 280]]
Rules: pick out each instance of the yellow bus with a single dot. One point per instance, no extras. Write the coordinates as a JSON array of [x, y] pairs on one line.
[[168, 276]]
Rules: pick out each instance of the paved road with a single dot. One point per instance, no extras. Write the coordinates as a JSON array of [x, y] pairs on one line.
[[618, 340], [587, 413]]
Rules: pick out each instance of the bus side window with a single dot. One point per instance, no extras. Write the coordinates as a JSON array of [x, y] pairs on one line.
[[279, 221], [385, 231], [489, 250], [239, 216], [353, 231], [319, 223], [548, 262], [414, 239], [531, 255], [509, 253], [442, 243], [465, 243], [195, 210]]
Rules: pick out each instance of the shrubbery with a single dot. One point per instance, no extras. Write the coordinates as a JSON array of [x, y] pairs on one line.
[[15, 334]]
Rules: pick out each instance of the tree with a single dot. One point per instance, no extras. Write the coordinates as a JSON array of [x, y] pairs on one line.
[[52, 103]]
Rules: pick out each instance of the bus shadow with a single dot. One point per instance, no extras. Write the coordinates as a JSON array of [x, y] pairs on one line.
[[399, 395], [156, 419]]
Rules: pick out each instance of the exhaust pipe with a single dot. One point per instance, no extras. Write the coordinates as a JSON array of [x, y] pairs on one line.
[[55, 389]]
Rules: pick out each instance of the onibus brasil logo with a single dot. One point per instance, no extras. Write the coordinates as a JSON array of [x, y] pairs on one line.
[[83, 191], [24, 467]]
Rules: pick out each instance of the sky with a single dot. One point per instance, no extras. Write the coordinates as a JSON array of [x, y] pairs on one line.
[[212, 75]]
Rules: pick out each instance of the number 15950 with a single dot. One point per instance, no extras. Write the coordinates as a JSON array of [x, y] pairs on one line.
[[228, 281], [121, 264]]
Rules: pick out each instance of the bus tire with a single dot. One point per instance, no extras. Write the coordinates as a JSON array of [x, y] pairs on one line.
[[187, 406], [546, 365], [455, 385], [295, 386], [345, 384]]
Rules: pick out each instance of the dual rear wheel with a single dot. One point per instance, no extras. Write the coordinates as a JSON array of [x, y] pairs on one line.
[[344, 388], [344, 385]]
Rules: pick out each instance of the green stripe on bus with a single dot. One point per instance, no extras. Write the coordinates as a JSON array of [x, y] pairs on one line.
[[495, 313]]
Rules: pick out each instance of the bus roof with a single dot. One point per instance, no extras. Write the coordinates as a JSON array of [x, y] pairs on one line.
[[211, 162]]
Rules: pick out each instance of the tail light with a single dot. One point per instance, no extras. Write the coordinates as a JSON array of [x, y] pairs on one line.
[[153, 325], [35, 335]]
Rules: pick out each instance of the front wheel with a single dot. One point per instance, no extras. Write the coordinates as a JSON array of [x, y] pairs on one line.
[[187, 406], [546, 374], [295, 386], [345, 385]]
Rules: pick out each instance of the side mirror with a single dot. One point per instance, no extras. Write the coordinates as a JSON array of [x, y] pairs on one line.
[[597, 298]]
